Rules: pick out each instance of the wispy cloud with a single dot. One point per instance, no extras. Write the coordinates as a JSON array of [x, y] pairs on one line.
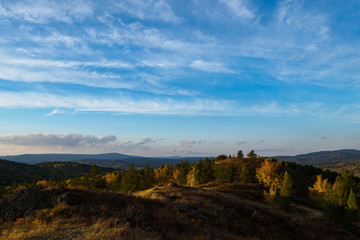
[[68, 140], [210, 66], [44, 11], [149, 10], [241, 143], [239, 8], [45, 63], [146, 141], [109, 104], [188, 143], [53, 112]]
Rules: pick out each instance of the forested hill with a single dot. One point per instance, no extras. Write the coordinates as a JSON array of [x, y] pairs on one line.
[[324, 158], [38, 158], [114, 160], [11, 172]]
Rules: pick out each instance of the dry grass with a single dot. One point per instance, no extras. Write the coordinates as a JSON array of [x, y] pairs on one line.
[[233, 211]]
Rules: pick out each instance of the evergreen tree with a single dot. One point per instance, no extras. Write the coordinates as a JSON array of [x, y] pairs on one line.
[[252, 154], [94, 171], [240, 154], [149, 176], [230, 173], [130, 180], [221, 157], [220, 173]]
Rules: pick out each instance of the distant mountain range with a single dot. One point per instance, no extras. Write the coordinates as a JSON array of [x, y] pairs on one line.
[[114, 160], [331, 160], [324, 158]]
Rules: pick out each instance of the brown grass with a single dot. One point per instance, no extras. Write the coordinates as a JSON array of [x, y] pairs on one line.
[[216, 211]]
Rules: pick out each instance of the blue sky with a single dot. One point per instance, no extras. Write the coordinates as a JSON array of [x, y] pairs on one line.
[[188, 78]]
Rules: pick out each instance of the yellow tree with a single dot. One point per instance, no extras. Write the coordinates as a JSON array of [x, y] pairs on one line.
[[268, 175], [317, 192], [190, 179]]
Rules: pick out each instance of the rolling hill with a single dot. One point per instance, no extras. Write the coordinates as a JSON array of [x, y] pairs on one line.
[[323, 158], [11, 172], [113, 160]]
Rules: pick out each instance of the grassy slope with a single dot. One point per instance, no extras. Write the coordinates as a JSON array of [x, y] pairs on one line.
[[232, 211]]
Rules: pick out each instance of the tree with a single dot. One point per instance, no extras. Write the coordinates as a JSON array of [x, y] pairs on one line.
[[130, 180], [220, 173], [149, 176], [230, 173], [221, 157], [317, 192], [252, 154], [351, 201], [286, 186], [268, 175], [94, 171], [352, 207], [286, 191], [181, 172], [240, 154], [244, 175], [204, 171], [191, 178]]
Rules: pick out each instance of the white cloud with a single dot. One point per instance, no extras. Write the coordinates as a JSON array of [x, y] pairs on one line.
[[292, 16], [210, 66], [45, 139], [111, 104], [239, 8], [148, 10], [57, 39], [45, 63], [53, 112], [188, 143], [43, 11]]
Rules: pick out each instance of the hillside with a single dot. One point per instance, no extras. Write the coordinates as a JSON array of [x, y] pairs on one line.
[[38, 158], [323, 158], [163, 212], [11, 172], [113, 160], [231, 198], [139, 162], [353, 166]]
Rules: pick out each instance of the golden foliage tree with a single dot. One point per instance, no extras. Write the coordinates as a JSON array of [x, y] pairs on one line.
[[317, 191], [268, 175]]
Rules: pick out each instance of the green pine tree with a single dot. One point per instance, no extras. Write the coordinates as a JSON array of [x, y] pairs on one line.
[[130, 180]]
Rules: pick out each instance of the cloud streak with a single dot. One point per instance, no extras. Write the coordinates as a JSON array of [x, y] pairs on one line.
[[45, 139], [44, 11]]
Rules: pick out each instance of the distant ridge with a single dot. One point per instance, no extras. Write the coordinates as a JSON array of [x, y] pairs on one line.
[[38, 158], [113, 160], [324, 158]]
